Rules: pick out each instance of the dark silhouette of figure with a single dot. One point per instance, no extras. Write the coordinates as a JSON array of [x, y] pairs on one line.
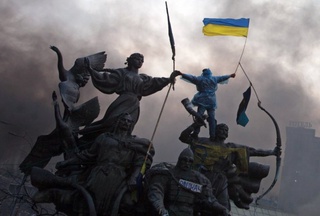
[[111, 168], [129, 85], [222, 162], [70, 83], [50, 145], [179, 190]]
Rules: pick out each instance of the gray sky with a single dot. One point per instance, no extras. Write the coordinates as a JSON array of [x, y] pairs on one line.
[[279, 58]]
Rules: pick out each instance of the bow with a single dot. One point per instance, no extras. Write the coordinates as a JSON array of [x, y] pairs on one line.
[[278, 143], [278, 158]]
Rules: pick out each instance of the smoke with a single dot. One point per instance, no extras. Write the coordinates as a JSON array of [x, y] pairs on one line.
[[310, 208], [279, 58]]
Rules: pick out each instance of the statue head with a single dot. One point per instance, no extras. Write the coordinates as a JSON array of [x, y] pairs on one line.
[[206, 72], [82, 78], [135, 60], [185, 159], [80, 73], [124, 123], [222, 131]]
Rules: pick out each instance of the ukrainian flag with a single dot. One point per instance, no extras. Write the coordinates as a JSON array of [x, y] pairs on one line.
[[226, 27]]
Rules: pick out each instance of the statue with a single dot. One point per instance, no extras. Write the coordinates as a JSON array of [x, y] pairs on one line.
[[71, 81], [227, 165], [205, 98], [48, 146], [103, 171], [110, 168], [129, 85], [179, 190]]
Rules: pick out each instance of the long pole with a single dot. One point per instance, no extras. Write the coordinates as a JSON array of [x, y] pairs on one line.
[[143, 168]]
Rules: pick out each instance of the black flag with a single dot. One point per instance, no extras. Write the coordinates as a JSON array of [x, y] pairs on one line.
[[170, 35], [242, 118]]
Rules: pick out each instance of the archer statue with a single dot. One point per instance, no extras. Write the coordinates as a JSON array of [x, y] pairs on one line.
[[227, 165]]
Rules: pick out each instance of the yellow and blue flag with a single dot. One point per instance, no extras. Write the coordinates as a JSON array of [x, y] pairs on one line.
[[226, 27]]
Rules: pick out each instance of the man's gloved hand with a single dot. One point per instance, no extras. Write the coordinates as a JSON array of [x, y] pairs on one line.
[[233, 75]]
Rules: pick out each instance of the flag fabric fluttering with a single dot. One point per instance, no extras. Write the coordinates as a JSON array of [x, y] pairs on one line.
[[242, 118], [170, 34], [226, 27]]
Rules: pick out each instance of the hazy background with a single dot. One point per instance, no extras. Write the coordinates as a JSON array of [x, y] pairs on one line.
[[280, 59]]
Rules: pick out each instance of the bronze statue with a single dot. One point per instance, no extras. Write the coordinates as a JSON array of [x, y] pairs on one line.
[[111, 167], [222, 162], [129, 85], [103, 170], [50, 145], [71, 81], [179, 190]]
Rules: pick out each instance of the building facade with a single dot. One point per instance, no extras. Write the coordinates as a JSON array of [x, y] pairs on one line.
[[300, 180]]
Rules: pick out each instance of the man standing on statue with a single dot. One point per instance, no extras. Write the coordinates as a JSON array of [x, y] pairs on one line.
[[205, 98]]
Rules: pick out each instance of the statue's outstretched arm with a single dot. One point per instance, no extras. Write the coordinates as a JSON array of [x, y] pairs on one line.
[[263, 153], [92, 71], [61, 69]]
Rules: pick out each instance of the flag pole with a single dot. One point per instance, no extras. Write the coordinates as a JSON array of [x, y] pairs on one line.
[[244, 46], [173, 68], [255, 92], [143, 168]]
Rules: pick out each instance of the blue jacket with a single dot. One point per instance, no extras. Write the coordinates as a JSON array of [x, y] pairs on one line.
[[206, 85]]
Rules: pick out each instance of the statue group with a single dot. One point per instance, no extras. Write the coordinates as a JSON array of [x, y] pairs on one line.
[[109, 171]]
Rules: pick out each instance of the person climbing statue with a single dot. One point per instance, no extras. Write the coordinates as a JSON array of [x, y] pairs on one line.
[[205, 98]]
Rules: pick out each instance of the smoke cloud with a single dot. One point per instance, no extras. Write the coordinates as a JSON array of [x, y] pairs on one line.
[[280, 59]]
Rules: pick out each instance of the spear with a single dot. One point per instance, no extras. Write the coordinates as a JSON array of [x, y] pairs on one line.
[[143, 168], [173, 69]]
